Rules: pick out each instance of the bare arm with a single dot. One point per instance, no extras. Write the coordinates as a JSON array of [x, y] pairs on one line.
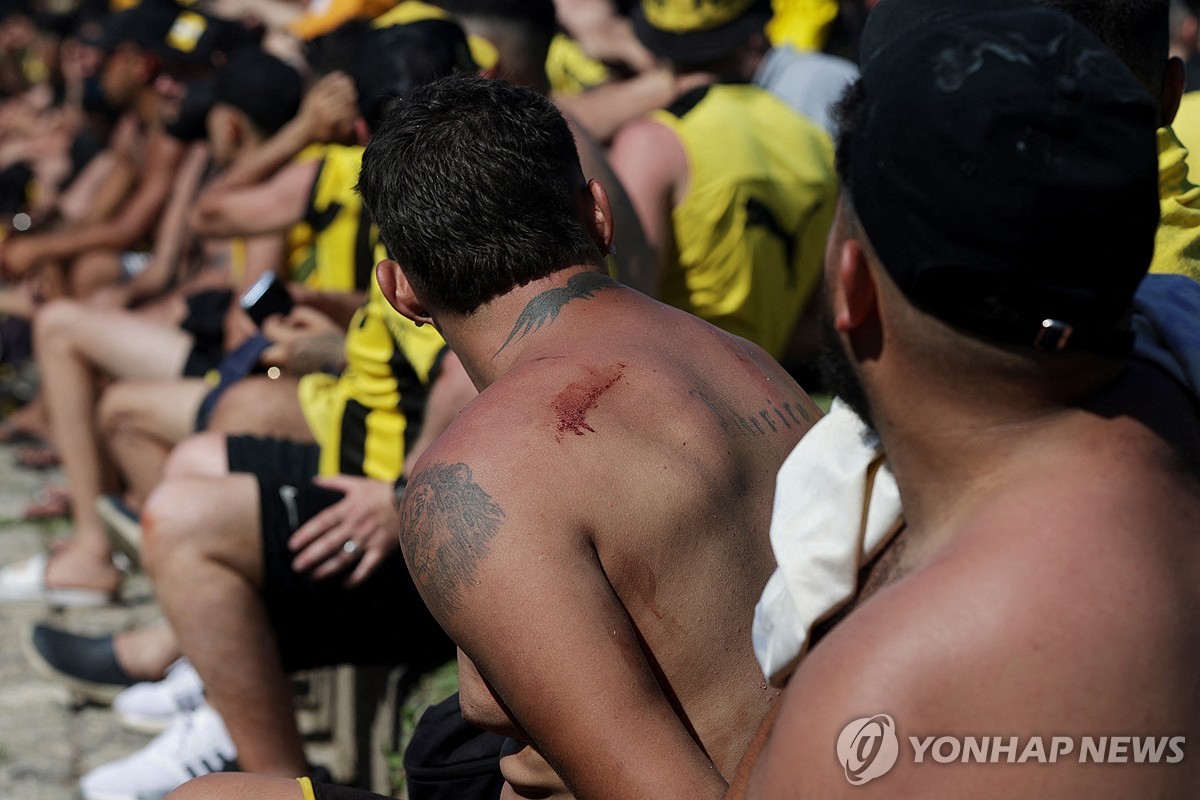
[[172, 232], [269, 207], [636, 265], [135, 219], [652, 166], [606, 108], [327, 114], [603, 33], [520, 589]]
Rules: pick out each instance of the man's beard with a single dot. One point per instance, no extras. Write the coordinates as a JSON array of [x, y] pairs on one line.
[[837, 373]]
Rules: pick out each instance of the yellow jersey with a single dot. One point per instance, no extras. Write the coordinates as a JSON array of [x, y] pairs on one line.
[[749, 234]]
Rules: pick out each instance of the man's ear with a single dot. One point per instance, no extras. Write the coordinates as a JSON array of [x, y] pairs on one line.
[[1174, 83], [399, 293], [855, 296], [596, 213]]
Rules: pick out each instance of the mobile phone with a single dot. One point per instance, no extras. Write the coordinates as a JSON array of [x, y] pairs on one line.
[[267, 296]]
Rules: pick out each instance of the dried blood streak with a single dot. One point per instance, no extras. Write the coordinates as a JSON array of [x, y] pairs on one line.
[[573, 403]]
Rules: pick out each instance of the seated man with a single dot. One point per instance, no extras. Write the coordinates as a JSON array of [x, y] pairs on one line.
[[1049, 549], [75, 342], [734, 189], [590, 528], [264, 569]]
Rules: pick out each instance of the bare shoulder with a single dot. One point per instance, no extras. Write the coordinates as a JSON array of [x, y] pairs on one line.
[[1035, 634], [648, 145]]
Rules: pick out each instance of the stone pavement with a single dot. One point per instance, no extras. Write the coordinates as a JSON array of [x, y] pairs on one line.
[[47, 740]]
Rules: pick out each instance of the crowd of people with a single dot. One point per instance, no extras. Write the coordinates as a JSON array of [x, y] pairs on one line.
[[393, 333]]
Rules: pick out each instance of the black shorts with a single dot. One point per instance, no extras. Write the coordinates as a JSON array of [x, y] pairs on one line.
[[205, 321], [290, 462], [322, 623]]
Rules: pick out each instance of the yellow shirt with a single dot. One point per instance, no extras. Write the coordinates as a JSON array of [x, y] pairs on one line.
[[366, 418], [750, 233], [1177, 243], [804, 24], [333, 249]]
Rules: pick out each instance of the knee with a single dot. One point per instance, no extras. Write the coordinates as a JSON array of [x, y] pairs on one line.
[[116, 409], [54, 320], [172, 520], [200, 454]]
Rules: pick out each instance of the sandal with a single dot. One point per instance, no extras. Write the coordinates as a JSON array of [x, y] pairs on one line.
[[38, 456], [48, 502], [11, 433]]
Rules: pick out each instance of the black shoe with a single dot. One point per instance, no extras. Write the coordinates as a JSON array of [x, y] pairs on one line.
[[88, 664]]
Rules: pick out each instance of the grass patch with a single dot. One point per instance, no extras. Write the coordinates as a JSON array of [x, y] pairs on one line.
[[433, 688]]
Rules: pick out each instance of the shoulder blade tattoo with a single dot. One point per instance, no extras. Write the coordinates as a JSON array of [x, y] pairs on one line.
[[543, 309], [446, 526]]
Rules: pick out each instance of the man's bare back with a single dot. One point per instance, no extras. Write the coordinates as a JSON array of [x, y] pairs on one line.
[[592, 532], [1036, 633], [1067, 603]]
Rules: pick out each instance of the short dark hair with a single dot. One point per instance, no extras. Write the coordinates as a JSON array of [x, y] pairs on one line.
[[536, 15], [395, 60], [474, 185]]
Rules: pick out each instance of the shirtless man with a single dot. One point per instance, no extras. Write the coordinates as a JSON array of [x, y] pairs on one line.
[[1049, 562], [590, 530]]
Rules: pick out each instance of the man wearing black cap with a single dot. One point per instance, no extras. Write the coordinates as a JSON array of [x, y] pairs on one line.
[[999, 212], [733, 188], [145, 44]]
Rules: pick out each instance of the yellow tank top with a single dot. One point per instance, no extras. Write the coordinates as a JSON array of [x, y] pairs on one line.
[[750, 232], [366, 418]]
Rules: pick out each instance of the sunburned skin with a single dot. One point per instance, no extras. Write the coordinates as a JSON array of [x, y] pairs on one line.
[[573, 403]]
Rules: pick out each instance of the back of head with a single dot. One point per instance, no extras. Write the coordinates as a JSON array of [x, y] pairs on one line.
[[521, 31], [397, 59], [261, 86], [692, 33], [474, 185], [1003, 166]]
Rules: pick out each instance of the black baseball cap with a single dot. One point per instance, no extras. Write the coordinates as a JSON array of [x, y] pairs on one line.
[[396, 59], [265, 89], [696, 31], [177, 33], [1004, 167]]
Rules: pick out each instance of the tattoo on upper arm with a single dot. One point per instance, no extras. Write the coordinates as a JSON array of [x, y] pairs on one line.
[[763, 422], [543, 309], [447, 523]]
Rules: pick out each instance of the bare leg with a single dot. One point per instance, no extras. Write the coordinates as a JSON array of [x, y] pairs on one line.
[[72, 340], [203, 550], [93, 270], [262, 407], [141, 421], [238, 787], [201, 455], [145, 653]]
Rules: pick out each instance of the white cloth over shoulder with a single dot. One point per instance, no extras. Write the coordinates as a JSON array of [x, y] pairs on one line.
[[836, 501]]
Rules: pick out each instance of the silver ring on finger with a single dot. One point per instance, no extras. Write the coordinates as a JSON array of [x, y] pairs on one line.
[[350, 547]]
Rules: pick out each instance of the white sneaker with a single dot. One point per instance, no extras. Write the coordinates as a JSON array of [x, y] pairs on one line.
[[195, 744], [151, 707]]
